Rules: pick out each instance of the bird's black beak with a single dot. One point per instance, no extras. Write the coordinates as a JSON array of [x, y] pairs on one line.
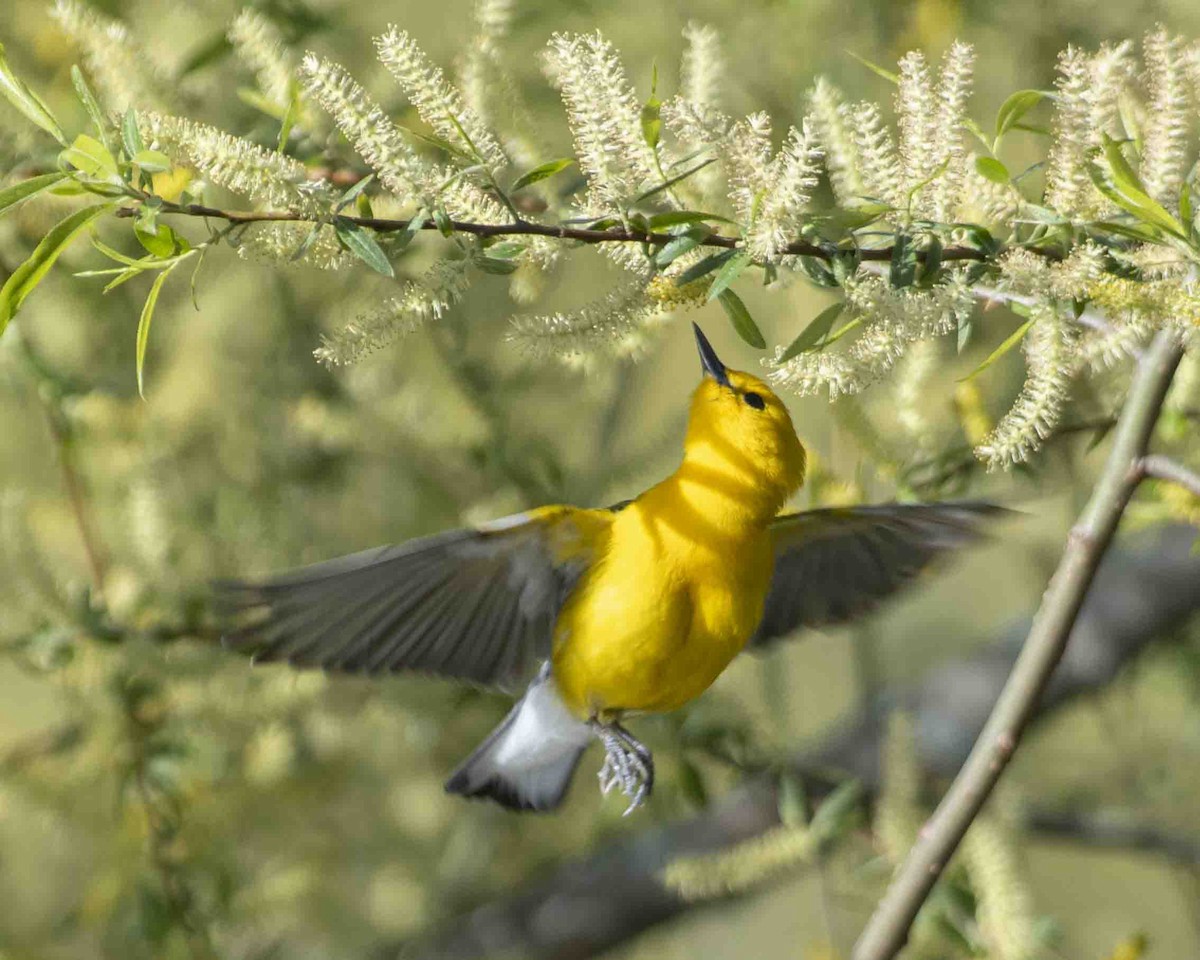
[[711, 363]]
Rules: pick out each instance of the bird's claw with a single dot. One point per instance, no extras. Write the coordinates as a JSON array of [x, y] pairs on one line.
[[627, 765]]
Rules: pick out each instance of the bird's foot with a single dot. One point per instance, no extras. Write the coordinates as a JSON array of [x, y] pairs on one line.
[[627, 764]]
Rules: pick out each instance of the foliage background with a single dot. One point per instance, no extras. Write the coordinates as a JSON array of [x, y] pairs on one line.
[[306, 814]]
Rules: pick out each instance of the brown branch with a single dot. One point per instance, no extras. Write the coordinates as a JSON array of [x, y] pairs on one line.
[[887, 930], [525, 228]]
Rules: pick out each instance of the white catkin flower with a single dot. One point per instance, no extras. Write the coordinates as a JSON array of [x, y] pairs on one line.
[[940, 199], [917, 117], [437, 101], [790, 179], [117, 65], [1004, 911], [1168, 116], [702, 67], [913, 377], [428, 298], [834, 132], [879, 165], [605, 119], [369, 130], [280, 242], [243, 167], [1049, 347], [260, 46], [493, 18], [1088, 106], [746, 155], [894, 319], [614, 324]]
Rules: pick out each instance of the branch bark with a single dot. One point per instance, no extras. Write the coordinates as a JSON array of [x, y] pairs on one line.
[[887, 930], [1164, 468], [525, 228]]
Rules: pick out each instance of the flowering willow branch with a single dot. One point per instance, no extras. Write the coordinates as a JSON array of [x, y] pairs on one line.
[[887, 930], [525, 228]]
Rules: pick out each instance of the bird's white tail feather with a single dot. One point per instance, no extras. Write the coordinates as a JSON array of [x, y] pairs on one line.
[[527, 762]]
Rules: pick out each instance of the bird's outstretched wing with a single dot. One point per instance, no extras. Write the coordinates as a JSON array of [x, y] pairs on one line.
[[833, 565], [476, 604]]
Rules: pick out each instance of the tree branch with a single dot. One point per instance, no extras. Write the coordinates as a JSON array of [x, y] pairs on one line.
[[1164, 468], [525, 228], [887, 930]]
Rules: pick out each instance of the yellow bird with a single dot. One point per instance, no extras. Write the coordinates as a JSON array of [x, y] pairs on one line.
[[613, 612]]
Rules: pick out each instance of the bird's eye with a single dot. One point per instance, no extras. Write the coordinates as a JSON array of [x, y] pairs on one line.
[[755, 401]]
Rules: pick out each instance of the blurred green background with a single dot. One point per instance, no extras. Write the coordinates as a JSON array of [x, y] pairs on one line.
[[303, 815]]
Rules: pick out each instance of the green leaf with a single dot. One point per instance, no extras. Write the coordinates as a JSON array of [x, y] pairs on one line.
[[506, 250], [992, 169], [30, 273], [652, 121], [677, 218], [361, 242], [131, 136], [161, 242], [28, 102], [875, 68], [903, 268], [22, 190], [815, 269], [91, 105], [667, 184], [147, 317], [742, 322], [353, 192], [92, 158], [1186, 212], [1127, 191], [728, 273], [676, 248], [290, 116], [493, 265], [152, 161], [814, 333], [542, 172], [704, 267], [443, 222], [1014, 338], [1014, 109]]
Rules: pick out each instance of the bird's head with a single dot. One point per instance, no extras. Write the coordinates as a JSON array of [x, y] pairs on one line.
[[740, 427]]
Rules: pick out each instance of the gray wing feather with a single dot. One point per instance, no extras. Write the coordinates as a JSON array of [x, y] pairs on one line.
[[837, 564], [475, 605]]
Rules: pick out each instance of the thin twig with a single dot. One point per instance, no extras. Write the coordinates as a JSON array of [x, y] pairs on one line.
[[525, 228], [1164, 468], [887, 930]]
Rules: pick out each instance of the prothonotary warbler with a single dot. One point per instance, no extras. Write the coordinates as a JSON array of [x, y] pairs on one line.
[[600, 614]]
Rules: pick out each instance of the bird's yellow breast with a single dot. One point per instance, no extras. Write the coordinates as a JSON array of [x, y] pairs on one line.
[[660, 616]]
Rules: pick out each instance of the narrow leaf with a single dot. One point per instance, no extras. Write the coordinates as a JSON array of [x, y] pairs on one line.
[[1013, 110], [131, 136], [290, 116], [91, 104], [1014, 338], [542, 172], [704, 267], [22, 190], [652, 122], [28, 102], [676, 218], [672, 251], [728, 273], [742, 322], [30, 273], [875, 68], [361, 242], [143, 330], [814, 333], [152, 161], [493, 265], [667, 184], [992, 169], [92, 158]]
